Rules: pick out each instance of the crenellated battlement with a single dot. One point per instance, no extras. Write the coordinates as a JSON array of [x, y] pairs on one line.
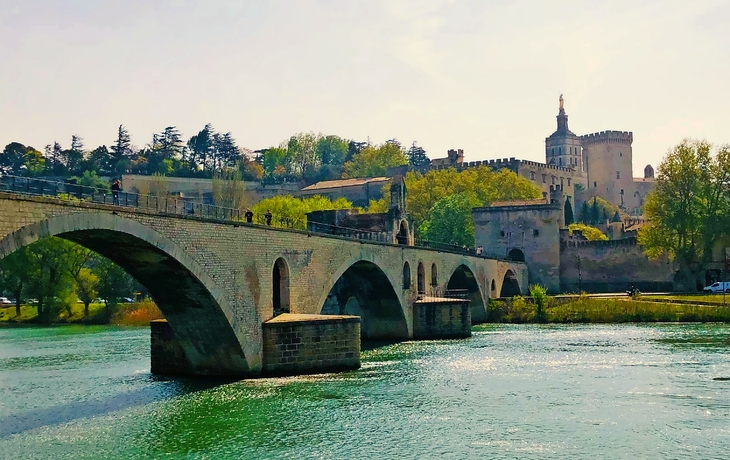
[[620, 137]]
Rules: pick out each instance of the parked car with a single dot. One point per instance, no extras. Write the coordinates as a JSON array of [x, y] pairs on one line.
[[5, 301], [720, 286]]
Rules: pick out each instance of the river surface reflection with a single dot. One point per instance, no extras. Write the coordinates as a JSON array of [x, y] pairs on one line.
[[625, 391]]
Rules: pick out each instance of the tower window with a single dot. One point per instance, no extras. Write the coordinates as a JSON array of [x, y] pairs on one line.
[[621, 154], [560, 162], [535, 232], [552, 179], [569, 182], [595, 184], [501, 233], [622, 191], [552, 152], [532, 175], [560, 150], [618, 174], [544, 177]]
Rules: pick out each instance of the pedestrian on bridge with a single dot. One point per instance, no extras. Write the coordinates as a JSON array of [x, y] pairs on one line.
[[116, 187], [268, 216], [249, 216]]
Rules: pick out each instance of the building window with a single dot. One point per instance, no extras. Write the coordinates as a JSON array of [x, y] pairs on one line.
[[569, 182], [501, 233], [618, 174], [560, 150], [560, 162], [552, 152], [544, 177], [622, 191], [595, 184], [621, 154], [535, 232], [532, 175], [552, 179]]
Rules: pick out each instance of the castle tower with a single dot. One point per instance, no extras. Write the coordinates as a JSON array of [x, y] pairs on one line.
[[563, 147], [608, 158]]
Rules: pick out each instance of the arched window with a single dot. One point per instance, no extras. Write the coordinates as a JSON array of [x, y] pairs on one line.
[[280, 286], [434, 275], [421, 275], [406, 276], [494, 285]]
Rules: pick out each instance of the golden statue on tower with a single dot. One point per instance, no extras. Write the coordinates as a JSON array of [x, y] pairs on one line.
[[561, 102]]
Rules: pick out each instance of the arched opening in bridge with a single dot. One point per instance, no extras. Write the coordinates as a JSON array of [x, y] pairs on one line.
[[421, 279], [281, 287], [517, 255], [402, 236], [463, 284], [406, 276], [510, 286], [179, 288], [494, 287], [364, 290], [434, 275]]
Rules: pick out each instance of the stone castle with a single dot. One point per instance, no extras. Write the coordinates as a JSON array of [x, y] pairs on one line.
[[598, 164]]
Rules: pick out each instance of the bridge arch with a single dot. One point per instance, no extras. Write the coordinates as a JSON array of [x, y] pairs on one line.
[[510, 285], [363, 289], [194, 306], [463, 283]]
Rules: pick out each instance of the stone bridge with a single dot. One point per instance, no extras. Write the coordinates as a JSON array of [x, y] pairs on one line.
[[217, 282]]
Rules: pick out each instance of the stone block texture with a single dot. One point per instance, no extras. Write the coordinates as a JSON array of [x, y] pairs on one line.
[[441, 319], [301, 344]]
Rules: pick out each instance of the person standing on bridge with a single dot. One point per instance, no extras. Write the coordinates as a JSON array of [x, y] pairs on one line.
[[249, 216], [116, 187], [268, 216]]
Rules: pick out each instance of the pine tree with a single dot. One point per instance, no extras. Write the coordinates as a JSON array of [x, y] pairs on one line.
[[417, 156], [569, 218], [122, 149]]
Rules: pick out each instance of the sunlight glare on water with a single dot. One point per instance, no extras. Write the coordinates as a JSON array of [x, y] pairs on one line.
[[624, 391]]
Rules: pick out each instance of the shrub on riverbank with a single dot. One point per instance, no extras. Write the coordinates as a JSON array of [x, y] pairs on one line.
[[591, 310], [136, 314]]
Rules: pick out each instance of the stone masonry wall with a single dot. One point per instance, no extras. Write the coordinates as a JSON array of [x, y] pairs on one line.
[[612, 266], [300, 344], [441, 320]]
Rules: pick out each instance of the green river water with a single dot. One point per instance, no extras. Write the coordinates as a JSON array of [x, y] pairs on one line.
[[588, 391]]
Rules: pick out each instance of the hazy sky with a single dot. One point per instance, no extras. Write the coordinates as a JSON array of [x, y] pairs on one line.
[[479, 75]]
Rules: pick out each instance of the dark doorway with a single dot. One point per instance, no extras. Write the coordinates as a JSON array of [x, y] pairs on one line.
[[406, 276], [516, 255], [402, 236], [510, 286], [421, 279], [281, 287]]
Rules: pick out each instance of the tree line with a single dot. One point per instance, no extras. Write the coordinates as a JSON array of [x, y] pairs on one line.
[[307, 157]]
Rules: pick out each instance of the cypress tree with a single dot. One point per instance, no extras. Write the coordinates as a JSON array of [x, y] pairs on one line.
[[569, 218], [585, 213], [595, 216]]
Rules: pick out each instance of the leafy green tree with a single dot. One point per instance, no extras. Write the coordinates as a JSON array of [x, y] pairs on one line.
[[14, 276], [375, 161], [590, 233], [86, 283], [276, 161], [18, 159], [332, 150], [290, 212], [689, 208], [569, 218], [449, 221], [114, 283], [49, 280]]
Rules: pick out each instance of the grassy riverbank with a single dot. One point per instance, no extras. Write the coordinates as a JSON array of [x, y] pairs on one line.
[[127, 314], [595, 310]]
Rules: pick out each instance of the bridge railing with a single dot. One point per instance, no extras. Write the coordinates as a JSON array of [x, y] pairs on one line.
[[81, 193], [171, 205]]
